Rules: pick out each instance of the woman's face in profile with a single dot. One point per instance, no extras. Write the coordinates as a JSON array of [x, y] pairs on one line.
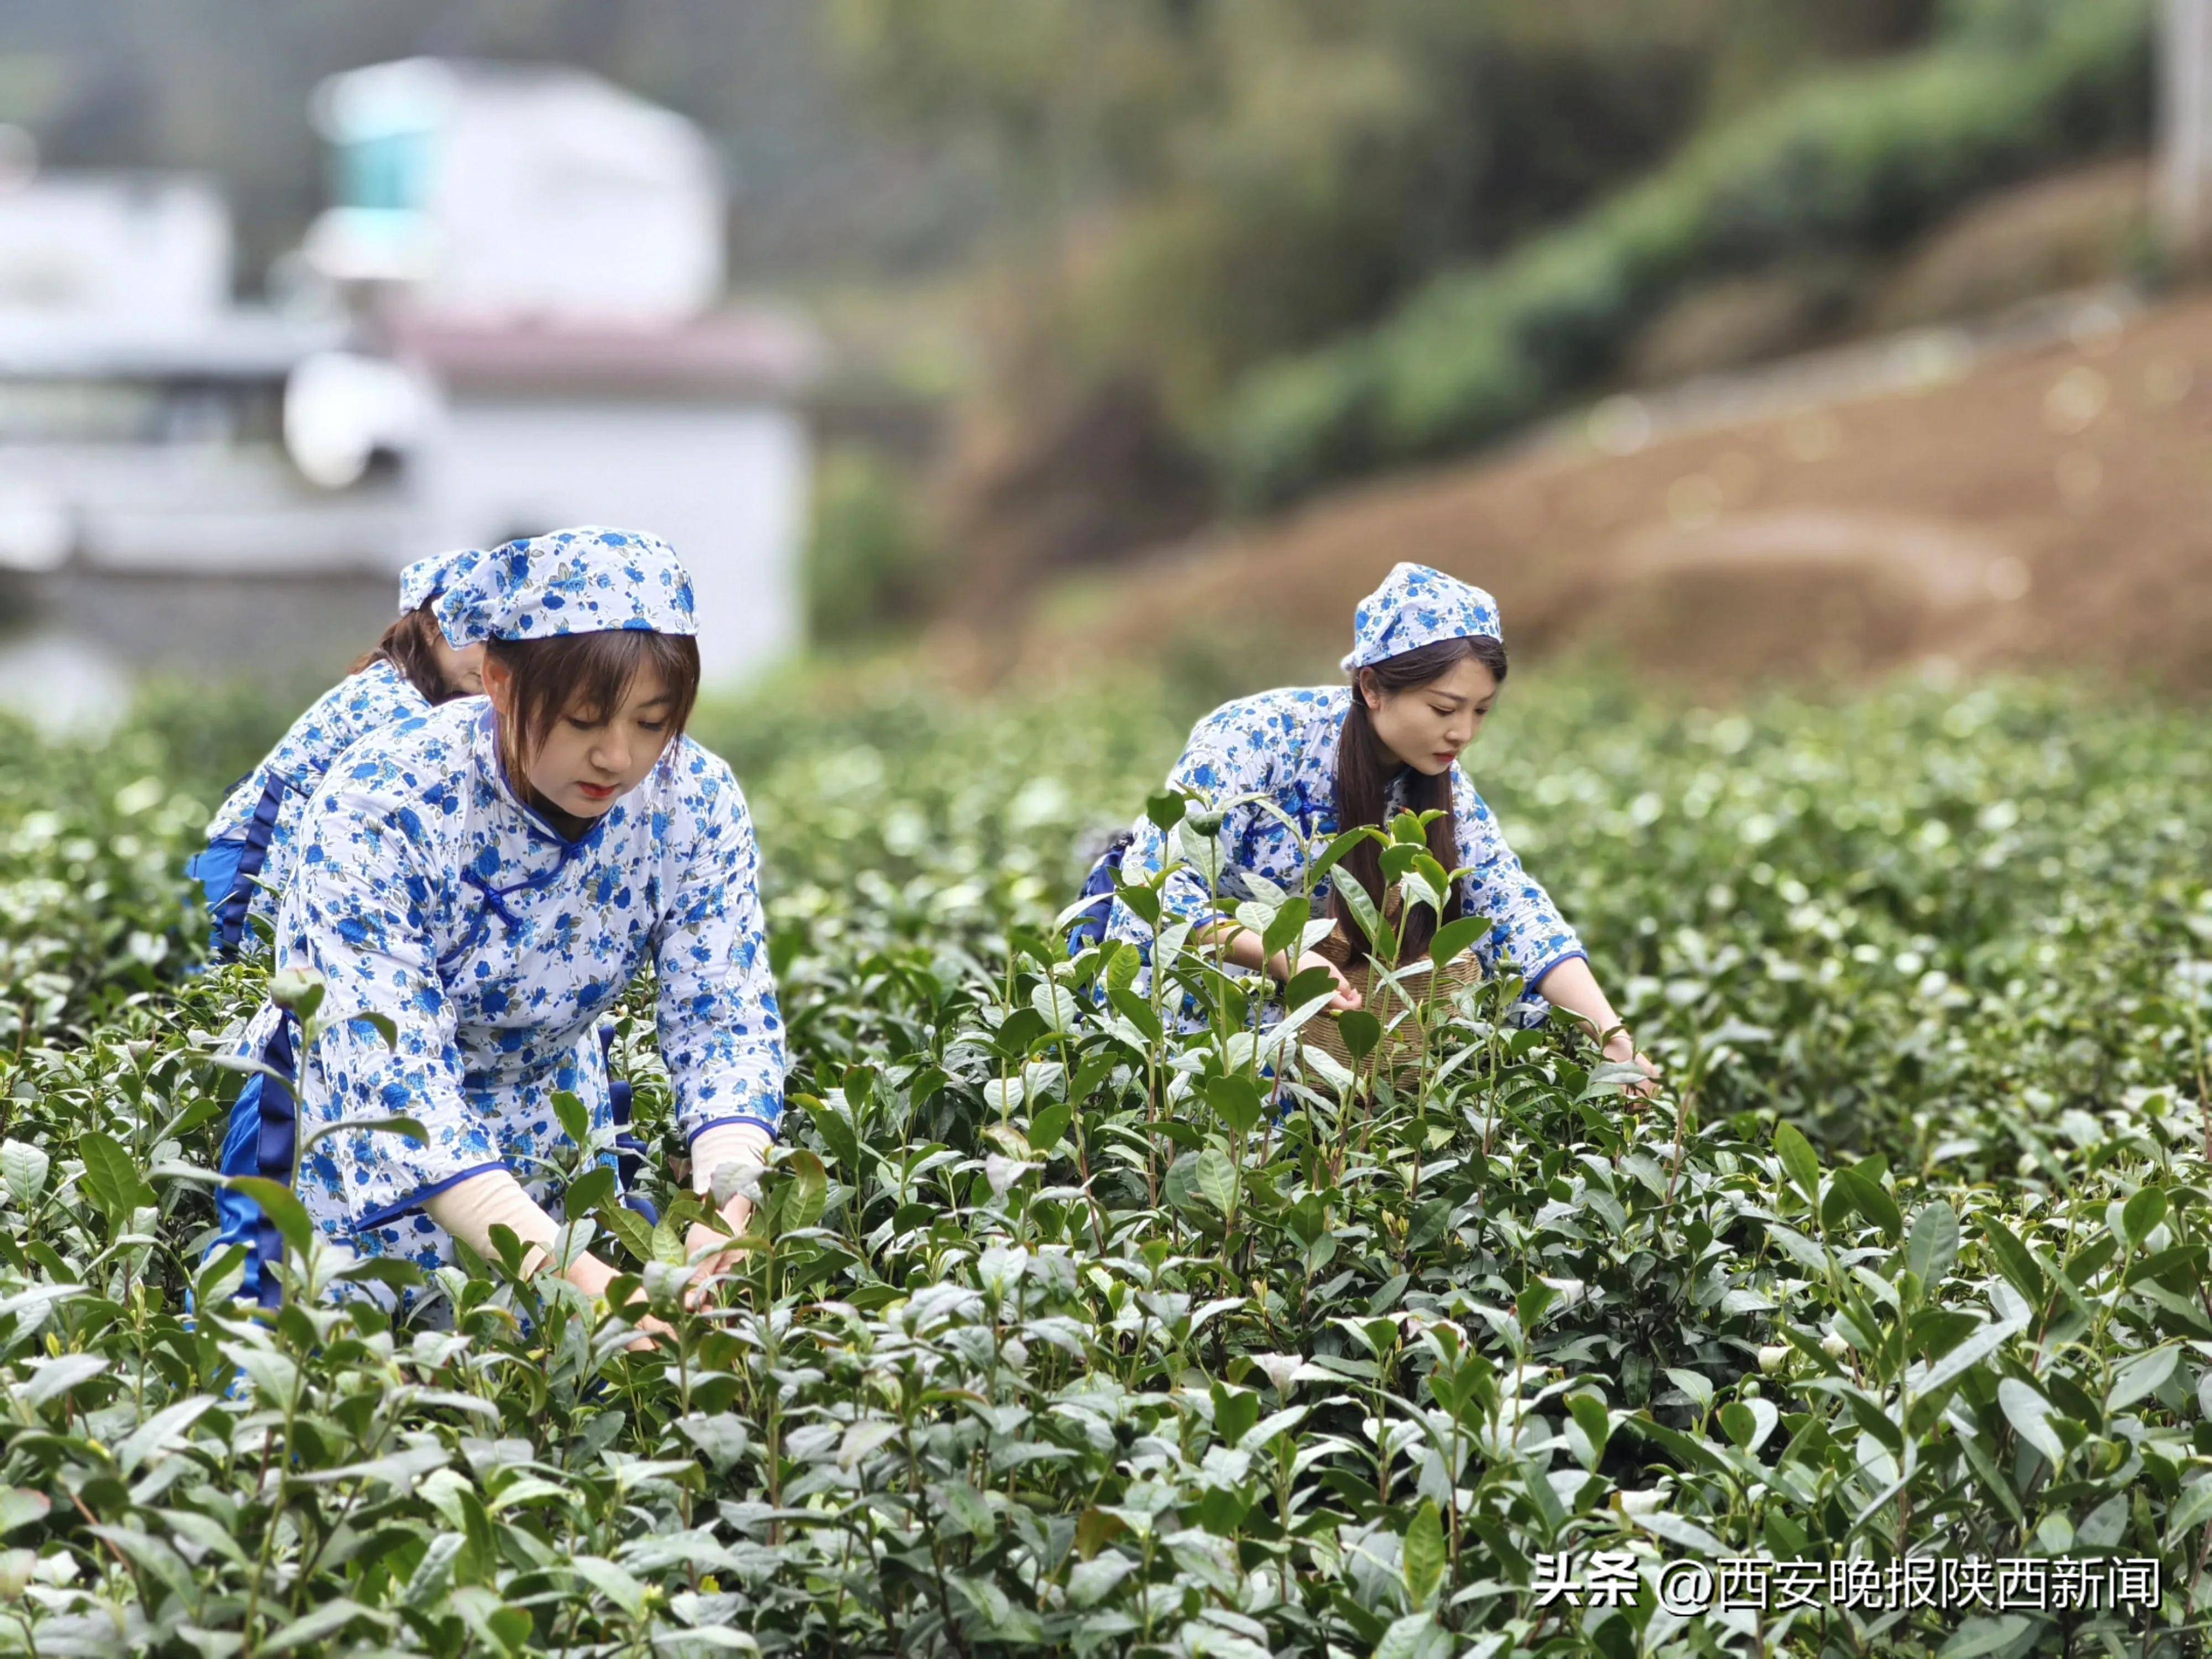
[[462, 669], [1427, 726]]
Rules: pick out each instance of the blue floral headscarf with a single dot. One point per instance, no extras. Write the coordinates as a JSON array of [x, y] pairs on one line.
[[425, 579], [1417, 606], [587, 580]]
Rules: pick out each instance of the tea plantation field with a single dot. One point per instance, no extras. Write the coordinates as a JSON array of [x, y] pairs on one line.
[[1884, 1329]]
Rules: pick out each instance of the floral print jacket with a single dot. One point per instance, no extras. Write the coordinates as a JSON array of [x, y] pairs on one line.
[[427, 892], [378, 696]]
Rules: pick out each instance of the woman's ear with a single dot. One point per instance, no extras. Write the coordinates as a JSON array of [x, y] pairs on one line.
[[1364, 682], [499, 691], [498, 684]]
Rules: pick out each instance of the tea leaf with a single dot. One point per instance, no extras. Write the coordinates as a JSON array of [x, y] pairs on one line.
[[575, 1121], [612, 1582], [1089, 1582], [111, 1174], [1361, 1031], [1424, 1559], [55, 1377], [24, 1168], [1456, 937], [1871, 1200], [1798, 1160], [1416, 1636], [2144, 1374], [1676, 1530], [1977, 1637], [325, 1621], [2142, 1214], [805, 1191], [2013, 1259], [2029, 1414], [837, 1131], [1047, 1127], [1216, 1177], [2194, 1505], [1238, 1100], [1933, 1245]]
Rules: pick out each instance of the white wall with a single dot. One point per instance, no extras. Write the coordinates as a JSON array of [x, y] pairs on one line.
[[527, 194], [725, 487], [569, 200], [149, 249]]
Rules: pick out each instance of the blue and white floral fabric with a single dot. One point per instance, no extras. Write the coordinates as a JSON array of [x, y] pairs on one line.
[[1279, 749], [1417, 606], [429, 893], [424, 580], [378, 696], [587, 580]]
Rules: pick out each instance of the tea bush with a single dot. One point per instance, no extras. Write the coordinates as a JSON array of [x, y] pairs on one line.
[[1065, 1327]]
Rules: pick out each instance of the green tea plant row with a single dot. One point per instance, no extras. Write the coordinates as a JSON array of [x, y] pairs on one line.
[[1068, 1328]]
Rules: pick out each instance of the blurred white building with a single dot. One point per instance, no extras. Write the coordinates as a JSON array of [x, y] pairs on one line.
[[140, 410], [520, 325], [495, 194], [145, 250]]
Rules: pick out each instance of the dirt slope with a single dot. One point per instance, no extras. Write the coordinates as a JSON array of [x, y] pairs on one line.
[[2045, 504]]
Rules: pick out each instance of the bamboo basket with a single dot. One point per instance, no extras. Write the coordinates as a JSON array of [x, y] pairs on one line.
[[1403, 1047]]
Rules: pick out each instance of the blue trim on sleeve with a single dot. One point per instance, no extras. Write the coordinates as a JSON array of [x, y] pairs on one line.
[[774, 1126], [416, 1200], [1536, 980], [253, 852]]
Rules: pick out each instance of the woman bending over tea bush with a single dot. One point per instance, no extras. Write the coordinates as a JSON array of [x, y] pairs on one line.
[[489, 879], [1427, 661], [255, 832]]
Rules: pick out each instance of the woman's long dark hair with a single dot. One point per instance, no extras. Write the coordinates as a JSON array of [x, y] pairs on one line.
[[410, 645], [1364, 767]]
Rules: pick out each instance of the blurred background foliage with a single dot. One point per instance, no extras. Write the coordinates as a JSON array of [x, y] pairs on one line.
[[1246, 251], [1850, 163], [869, 565], [1102, 274], [1226, 181]]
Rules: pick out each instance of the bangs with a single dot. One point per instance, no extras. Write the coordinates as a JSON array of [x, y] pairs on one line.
[[589, 675], [1434, 660]]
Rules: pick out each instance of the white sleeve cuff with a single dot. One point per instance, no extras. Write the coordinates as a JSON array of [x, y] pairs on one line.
[[727, 1143], [469, 1209]]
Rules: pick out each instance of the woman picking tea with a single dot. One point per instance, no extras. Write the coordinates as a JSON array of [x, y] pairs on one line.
[[489, 879], [1426, 666]]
